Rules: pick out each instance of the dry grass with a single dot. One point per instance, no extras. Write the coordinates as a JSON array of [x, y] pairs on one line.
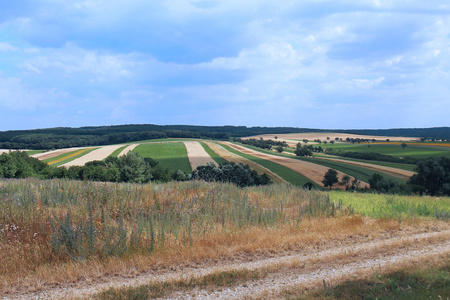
[[193, 222]]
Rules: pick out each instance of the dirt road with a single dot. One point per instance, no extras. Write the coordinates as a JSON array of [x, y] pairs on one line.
[[312, 171], [197, 155], [301, 268]]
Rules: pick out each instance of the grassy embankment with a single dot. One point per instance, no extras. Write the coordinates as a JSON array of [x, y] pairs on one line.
[[170, 155]]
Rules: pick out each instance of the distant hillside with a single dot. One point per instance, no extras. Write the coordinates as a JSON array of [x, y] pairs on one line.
[[64, 137]]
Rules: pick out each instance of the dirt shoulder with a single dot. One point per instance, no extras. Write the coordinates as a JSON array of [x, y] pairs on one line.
[[299, 268], [312, 171]]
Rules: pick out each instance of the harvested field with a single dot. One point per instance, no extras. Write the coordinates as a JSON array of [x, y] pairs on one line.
[[54, 153], [293, 138], [399, 173], [231, 157], [312, 171], [127, 149], [197, 155], [98, 154]]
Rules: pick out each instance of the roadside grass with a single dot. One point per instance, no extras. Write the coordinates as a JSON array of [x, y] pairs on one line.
[[426, 281], [66, 230], [67, 157], [421, 151], [117, 151], [394, 206], [217, 158], [287, 174], [170, 155], [164, 289]]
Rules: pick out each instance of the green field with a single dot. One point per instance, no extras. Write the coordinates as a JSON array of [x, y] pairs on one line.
[[417, 151], [170, 155], [217, 158], [394, 206], [287, 174], [407, 167], [117, 151], [358, 172]]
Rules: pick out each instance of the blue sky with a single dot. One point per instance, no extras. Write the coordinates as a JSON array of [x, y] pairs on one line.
[[311, 63]]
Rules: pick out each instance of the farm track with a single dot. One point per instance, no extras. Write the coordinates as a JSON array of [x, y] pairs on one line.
[[231, 157], [310, 170], [356, 257], [197, 155], [399, 173], [98, 154]]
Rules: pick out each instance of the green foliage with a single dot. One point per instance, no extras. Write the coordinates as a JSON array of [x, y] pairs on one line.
[[330, 178], [18, 164], [170, 155], [303, 151], [433, 176], [238, 174], [261, 143]]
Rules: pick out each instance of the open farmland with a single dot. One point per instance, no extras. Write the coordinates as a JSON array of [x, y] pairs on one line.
[[197, 155], [310, 170], [172, 155], [99, 154], [271, 240]]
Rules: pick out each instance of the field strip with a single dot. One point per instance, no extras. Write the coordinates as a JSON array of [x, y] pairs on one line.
[[305, 268], [55, 153], [127, 149], [231, 157], [98, 154], [197, 155], [310, 170], [405, 174], [311, 136]]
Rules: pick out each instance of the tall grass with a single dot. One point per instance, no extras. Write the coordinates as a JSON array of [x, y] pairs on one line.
[[395, 206], [59, 221]]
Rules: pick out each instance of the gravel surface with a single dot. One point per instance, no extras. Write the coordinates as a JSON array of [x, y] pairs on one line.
[[302, 269]]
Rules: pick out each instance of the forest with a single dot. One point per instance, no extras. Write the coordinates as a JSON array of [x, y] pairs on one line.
[[65, 137]]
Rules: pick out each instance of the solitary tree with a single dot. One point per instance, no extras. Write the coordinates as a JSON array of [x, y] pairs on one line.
[[279, 149], [433, 176], [330, 178], [404, 145]]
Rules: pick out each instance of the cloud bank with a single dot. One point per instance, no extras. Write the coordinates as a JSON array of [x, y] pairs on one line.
[[315, 63]]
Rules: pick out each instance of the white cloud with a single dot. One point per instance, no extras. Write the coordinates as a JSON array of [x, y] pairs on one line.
[[6, 47]]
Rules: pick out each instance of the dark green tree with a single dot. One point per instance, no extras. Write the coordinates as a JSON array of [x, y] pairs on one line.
[[330, 178], [433, 176]]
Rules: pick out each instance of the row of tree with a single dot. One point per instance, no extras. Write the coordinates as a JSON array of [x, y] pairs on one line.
[[131, 167], [262, 143]]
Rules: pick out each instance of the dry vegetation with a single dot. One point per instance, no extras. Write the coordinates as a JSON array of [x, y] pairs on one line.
[[197, 155], [59, 233]]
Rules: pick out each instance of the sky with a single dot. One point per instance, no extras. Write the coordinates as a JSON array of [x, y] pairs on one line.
[[329, 64]]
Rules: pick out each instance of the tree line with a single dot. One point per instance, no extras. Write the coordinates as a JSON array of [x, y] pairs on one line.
[[131, 167]]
